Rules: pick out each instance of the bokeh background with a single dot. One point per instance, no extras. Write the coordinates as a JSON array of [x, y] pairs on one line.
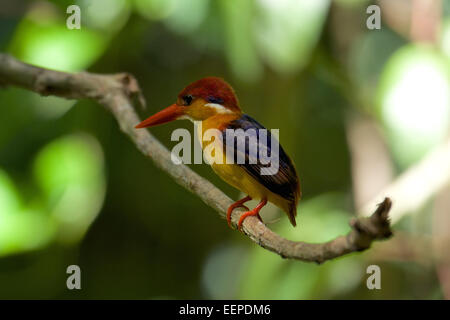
[[357, 110]]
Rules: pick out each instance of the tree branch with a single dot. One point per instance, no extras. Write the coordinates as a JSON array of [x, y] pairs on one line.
[[116, 93]]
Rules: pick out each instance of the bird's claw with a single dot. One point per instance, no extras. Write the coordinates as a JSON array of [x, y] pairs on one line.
[[229, 215]]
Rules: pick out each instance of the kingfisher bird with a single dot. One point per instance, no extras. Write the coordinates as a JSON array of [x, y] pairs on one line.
[[213, 102]]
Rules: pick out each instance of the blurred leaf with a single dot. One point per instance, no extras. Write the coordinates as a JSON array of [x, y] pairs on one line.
[[47, 42], [183, 23], [368, 56], [445, 38], [342, 275], [178, 15], [107, 15], [414, 102], [288, 30], [23, 231], [222, 272], [155, 9], [352, 3], [9, 198], [319, 219], [268, 276], [49, 107], [20, 229], [240, 47], [70, 172]]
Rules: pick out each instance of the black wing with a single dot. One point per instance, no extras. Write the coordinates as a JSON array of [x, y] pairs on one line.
[[283, 182]]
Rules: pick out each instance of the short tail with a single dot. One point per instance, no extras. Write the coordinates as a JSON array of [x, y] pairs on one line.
[[292, 207], [292, 213]]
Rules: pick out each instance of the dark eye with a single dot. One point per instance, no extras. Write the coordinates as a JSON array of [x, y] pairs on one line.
[[215, 100], [187, 100]]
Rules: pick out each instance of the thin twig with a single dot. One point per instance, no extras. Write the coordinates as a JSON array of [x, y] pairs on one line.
[[116, 93]]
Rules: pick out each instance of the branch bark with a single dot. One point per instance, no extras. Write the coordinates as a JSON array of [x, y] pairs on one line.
[[117, 92]]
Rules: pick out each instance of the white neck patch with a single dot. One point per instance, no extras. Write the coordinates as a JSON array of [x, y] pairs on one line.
[[219, 108]]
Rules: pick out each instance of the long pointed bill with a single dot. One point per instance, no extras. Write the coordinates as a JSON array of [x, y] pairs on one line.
[[168, 114]]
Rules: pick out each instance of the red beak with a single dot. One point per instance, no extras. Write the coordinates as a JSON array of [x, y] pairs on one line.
[[168, 114]]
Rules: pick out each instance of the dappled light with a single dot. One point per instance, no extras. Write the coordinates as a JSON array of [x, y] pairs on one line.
[[362, 111]]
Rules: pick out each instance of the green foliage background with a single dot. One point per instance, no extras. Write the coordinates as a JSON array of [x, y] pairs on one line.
[[74, 190]]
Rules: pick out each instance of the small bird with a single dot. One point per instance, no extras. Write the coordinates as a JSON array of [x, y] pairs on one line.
[[213, 102]]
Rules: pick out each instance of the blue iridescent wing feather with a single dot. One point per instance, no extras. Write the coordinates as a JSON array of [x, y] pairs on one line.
[[283, 182]]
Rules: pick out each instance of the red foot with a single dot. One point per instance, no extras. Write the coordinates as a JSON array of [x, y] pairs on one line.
[[237, 204], [254, 212]]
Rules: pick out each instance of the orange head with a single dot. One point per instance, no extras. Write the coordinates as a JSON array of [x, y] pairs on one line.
[[200, 100]]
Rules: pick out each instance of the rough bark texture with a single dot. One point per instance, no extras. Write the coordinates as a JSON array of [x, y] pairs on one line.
[[117, 92]]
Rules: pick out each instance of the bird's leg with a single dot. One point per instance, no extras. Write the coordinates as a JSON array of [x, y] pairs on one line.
[[237, 204], [254, 212]]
